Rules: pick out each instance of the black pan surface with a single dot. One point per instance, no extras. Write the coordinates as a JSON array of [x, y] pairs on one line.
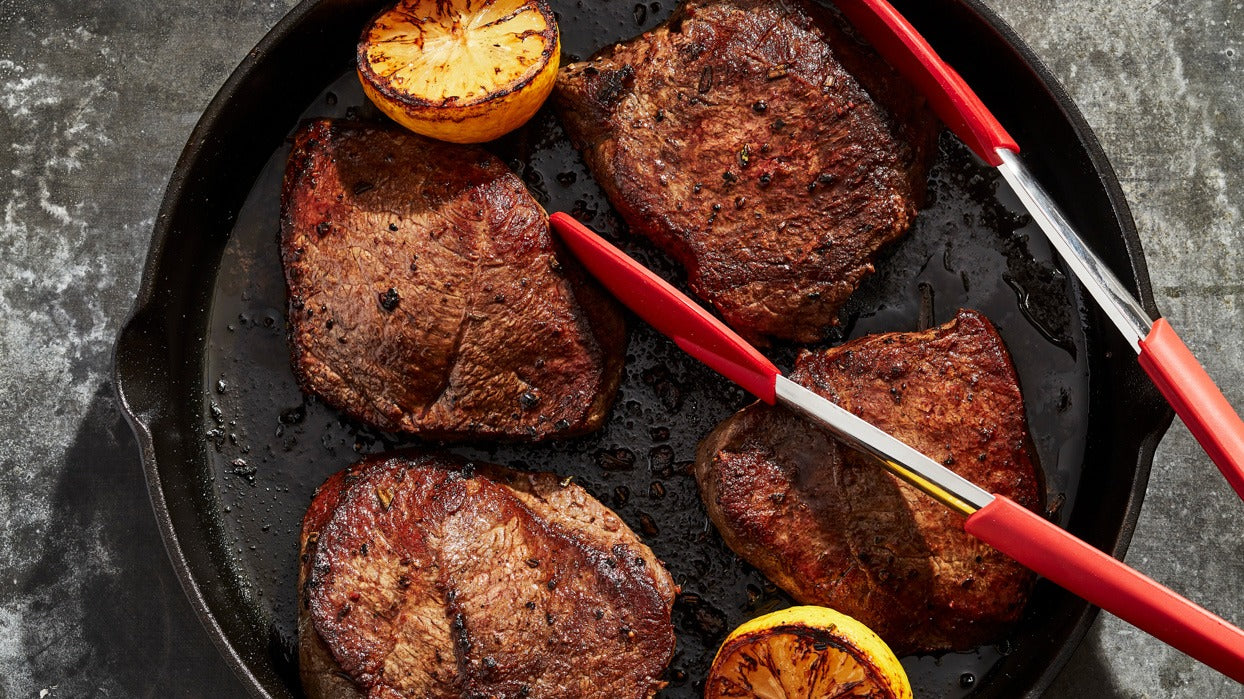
[[233, 450]]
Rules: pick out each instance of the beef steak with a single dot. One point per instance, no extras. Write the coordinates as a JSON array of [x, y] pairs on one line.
[[424, 576], [426, 294], [762, 147], [833, 528]]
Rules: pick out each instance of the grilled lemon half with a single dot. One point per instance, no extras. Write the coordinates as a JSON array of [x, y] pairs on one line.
[[806, 652], [465, 71]]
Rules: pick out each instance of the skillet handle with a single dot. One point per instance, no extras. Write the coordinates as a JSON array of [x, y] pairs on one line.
[[1197, 399], [949, 95], [1054, 553]]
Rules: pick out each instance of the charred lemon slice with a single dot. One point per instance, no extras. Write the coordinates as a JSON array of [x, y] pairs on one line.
[[465, 71], [802, 653]]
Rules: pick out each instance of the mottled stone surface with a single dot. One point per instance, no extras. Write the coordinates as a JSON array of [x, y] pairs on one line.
[[96, 101], [1161, 84]]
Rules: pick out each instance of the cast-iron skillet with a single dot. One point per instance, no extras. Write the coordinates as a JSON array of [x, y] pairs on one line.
[[232, 450]]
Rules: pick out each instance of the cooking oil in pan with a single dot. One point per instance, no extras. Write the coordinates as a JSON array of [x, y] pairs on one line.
[[270, 445]]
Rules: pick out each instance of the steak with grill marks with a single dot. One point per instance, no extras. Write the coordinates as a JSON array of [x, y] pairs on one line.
[[833, 528], [424, 576], [426, 294], [760, 145]]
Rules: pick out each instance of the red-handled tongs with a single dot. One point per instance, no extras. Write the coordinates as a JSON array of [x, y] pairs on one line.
[[1163, 355], [1000, 522]]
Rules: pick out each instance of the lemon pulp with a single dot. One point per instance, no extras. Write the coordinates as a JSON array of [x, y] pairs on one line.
[[806, 652], [460, 70]]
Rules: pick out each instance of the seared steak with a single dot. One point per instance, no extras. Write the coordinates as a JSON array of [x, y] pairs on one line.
[[762, 147], [833, 528], [426, 294], [424, 576]]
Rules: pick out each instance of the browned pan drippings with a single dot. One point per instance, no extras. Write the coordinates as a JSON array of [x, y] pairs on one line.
[[640, 463]]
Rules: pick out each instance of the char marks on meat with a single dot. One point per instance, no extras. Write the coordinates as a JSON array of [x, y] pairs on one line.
[[761, 146], [427, 295], [424, 576], [833, 528]]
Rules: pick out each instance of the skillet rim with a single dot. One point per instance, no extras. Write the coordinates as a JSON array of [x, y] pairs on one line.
[[1135, 256], [141, 423]]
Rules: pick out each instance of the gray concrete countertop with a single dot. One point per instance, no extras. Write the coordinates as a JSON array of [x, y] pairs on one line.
[[97, 98]]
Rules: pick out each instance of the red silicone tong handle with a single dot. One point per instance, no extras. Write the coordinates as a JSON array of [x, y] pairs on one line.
[[1008, 527], [669, 311], [1057, 555], [1163, 355], [1197, 399], [951, 98]]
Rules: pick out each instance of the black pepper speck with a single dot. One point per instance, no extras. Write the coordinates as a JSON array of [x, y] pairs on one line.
[[389, 300]]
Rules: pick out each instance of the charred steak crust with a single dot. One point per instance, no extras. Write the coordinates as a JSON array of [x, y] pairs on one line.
[[760, 145], [425, 576], [832, 528], [322, 677], [426, 294]]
